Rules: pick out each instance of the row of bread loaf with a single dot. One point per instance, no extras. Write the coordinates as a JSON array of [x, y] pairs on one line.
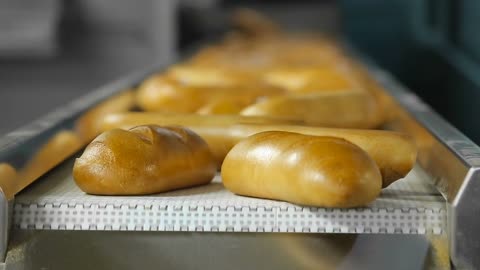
[[279, 116]]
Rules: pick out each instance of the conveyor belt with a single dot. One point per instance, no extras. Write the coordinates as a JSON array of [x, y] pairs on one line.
[[410, 206]]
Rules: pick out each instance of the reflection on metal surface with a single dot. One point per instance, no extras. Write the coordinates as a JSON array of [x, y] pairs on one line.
[[185, 250], [446, 171], [52, 153], [7, 180], [320, 251]]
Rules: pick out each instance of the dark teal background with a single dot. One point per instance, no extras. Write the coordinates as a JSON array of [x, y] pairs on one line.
[[432, 46]]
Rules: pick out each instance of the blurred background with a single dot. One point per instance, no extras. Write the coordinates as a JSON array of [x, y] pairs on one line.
[[53, 51]]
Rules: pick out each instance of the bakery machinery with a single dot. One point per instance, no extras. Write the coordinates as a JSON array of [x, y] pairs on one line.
[[428, 220]]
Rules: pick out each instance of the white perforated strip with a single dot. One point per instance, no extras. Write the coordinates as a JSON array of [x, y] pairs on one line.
[[161, 217], [409, 206]]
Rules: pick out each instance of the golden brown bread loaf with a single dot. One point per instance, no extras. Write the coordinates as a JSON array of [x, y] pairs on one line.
[[395, 153], [209, 76], [302, 169], [87, 126], [161, 93], [144, 160], [310, 79], [164, 94], [226, 105], [342, 109]]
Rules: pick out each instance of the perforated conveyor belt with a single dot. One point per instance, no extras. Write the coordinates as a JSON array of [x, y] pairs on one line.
[[409, 206]]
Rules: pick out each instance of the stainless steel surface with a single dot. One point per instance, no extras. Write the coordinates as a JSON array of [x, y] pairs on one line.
[[4, 226], [453, 161], [464, 223], [31, 249]]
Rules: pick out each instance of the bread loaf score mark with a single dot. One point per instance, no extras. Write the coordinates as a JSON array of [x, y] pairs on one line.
[[302, 169], [144, 160]]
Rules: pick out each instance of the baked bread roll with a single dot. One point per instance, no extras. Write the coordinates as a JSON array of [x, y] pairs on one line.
[[311, 79], [302, 169], [8, 176], [163, 94], [395, 153], [144, 160], [226, 105], [208, 76], [87, 126], [343, 109]]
